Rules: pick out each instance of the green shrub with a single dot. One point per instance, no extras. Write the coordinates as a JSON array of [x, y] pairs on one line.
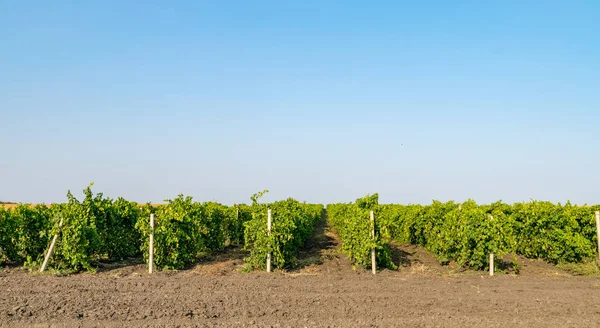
[[353, 225], [292, 223]]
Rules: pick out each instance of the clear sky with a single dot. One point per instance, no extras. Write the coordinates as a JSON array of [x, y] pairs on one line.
[[323, 101]]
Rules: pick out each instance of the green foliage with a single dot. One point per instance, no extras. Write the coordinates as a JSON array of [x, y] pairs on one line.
[[353, 225], [121, 239], [368, 202], [292, 223], [33, 231], [8, 226], [93, 230], [543, 230], [101, 229], [233, 222], [467, 236], [255, 198], [79, 241], [23, 232], [184, 230], [555, 233]]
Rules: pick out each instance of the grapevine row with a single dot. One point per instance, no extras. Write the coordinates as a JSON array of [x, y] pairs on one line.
[[100, 229], [467, 233]]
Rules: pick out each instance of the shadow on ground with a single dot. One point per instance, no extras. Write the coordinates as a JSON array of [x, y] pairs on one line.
[[320, 247], [401, 257]]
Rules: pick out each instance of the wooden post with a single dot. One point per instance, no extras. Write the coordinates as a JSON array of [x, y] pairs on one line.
[[459, 207], [598, 232], [51, 248], [373, 261], [237, 222], [268, 234], [151, 248], [491, 256]]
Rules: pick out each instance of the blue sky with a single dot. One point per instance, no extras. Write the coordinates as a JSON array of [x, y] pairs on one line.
[[320, 101]]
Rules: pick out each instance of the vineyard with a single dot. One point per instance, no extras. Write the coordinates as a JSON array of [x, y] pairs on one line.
[[97, 229], [428, 264], [468, 233]]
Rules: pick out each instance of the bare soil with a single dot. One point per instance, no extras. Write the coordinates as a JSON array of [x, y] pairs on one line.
[[322, 290]]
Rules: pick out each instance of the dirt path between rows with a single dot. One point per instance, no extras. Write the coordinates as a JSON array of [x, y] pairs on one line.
[[321, 291]]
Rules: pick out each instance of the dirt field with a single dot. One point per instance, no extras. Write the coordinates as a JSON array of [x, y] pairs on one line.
[[323, 291]]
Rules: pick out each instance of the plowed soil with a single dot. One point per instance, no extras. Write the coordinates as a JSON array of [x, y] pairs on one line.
[[322, 291]]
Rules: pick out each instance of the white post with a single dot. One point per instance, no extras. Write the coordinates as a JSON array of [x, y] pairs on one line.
[[373, 261], [491, 257], [268, 234], [51, 248], [598, 232], [151, 248], [459, 207], [237, 221]]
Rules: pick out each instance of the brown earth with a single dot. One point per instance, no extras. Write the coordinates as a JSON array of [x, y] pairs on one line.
[[321, 291]]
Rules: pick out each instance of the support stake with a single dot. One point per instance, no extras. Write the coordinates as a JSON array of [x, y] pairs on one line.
[[268, 234], [151, 248], [373, 261], [51, 248], [491, 256]]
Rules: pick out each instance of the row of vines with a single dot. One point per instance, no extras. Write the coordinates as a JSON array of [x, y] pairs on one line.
[[467, 233], [99, 229], [353, 226], [94, 229]]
